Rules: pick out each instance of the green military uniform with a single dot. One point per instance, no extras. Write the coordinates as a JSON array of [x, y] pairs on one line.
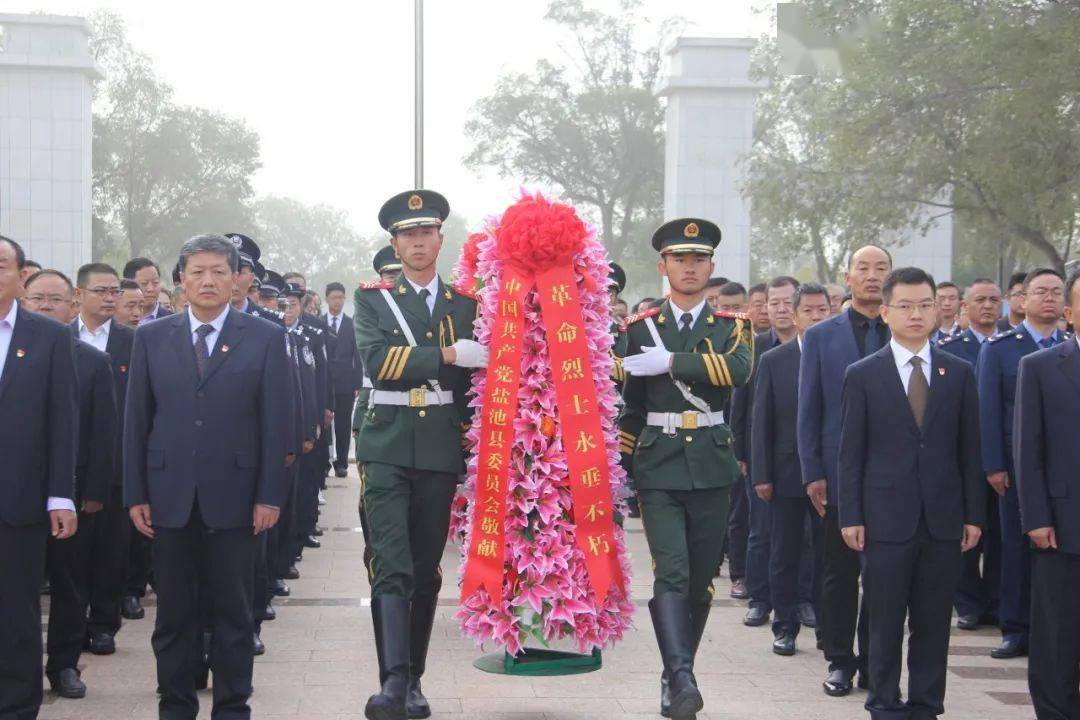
[[678, 451], [410, 444]]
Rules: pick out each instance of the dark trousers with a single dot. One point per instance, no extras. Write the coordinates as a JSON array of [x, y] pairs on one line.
[[307, 497], [343, 411], [260, 584], [738, 525], [681, 529], [1014, 607], [790, 518], [65, 562], [1054, 663], [757, 549], [840, 617], [281, 543], [22, 570], [915, 579], [106, 558], [185, 560], [980, 580], [139, 562], [408, 514]]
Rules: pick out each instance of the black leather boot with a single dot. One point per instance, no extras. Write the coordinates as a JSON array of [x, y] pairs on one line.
[[699, 617], [421, 621], [390, 614], [675, 636]]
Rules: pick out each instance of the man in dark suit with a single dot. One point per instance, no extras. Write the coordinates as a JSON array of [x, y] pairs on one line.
[[98, 292], [775, 470], [911, 495], [204, 441], [827, 350], [999, 364], [50, 293], [1047, 455], [346, 373], [38, 426], [146, 272], [780, 290], [976, 600]]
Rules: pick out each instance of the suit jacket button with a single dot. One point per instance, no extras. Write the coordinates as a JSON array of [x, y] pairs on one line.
[[429, 334], [423, 413], [689, 438], [198, 423]]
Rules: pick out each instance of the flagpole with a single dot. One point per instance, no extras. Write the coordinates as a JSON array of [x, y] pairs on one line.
[[419, 99]]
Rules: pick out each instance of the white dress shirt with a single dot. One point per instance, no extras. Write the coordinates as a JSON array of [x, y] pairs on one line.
[[433, 287], [98, 338], [903, 356], [334, 321], [152, 315], [7, 331], [679, 312], [216, 323]]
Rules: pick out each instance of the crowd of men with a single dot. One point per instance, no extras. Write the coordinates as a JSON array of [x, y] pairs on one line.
[[866, 460]]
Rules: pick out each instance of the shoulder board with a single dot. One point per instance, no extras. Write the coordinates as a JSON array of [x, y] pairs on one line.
[[640, 316], [1004, 334], [376, 285], [731, 315], [464, 292], [951, 339], [276, 313]]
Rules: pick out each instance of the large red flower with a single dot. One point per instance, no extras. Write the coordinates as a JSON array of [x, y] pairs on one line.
[[538, 234]]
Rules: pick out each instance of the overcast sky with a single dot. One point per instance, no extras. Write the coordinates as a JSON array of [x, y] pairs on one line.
[[329, 85]]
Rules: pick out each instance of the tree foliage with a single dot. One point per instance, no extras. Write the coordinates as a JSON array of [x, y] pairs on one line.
[[587, 124]]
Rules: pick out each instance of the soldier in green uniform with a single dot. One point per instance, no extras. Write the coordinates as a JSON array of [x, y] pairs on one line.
[[682, 360], [415, 338], [388, 268]]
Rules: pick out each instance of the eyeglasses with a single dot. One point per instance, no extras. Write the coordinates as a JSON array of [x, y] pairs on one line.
[[51, 299], [1047, 292], [907, 308], [105, 291]]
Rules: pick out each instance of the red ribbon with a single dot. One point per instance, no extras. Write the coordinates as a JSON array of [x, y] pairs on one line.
[[582, 431]]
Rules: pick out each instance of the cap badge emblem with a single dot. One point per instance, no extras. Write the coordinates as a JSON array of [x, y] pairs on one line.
[[692, 230], [416, 202]]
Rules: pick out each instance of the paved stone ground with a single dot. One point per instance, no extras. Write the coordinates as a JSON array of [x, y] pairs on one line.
[[321, 664]]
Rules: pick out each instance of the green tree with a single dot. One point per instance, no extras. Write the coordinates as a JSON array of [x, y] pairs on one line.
[[162, 171], [960, 107], [589, 126]]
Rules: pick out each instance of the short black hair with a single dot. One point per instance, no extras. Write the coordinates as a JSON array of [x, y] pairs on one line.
[[907, 276], [1039, 272], [781, 281], [948, 284], [32, 263], [20, 254], [649, 300], [1017, 278], [759, 288], [1070, 284], [731, 288], [128, 284], [45, 273], [871, 245], [718, 281], [136, 264], [334, 286], [84, 273], [293, 274], [808, 289]]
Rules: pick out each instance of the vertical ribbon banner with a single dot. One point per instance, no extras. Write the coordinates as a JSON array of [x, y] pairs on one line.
[[487, 547], [582, 431]]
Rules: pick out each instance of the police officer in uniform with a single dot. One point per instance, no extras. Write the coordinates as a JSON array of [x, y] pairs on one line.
[[682, 361], [388, 267], [414, 336]]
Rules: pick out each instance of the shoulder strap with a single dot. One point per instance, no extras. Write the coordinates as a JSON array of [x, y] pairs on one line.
[[406, 330], [683, 387]]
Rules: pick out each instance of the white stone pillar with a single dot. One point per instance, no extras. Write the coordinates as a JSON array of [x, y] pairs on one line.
[[46, 124], [710, 121]]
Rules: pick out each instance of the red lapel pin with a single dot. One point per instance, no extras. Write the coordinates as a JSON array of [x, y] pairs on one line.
[[941, 371], [20, 353]]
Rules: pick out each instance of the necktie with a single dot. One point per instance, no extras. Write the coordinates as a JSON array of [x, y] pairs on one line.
[[424, 295], [686, 320], [1046, 342], [202, 350], [872, 342], [334, 325], [918, 390]]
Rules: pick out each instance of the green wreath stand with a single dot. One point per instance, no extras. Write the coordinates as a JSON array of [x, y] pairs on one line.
[[540, 662]]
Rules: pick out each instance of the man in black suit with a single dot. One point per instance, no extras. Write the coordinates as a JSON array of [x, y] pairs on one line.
[[775, 470], [146, 273], [50, 293], [38, 426], [912, 498], [1047, 455], [204, 442], [346, 373]]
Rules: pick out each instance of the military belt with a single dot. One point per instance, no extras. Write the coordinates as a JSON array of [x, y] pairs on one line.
[[417, 397], [689, 420]]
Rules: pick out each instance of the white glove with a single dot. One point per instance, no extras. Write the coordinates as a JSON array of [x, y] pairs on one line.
[[650, 361], [470, 354]]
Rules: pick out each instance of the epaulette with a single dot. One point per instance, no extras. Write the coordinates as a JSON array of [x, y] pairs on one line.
[[731, 315], [378, 285], [640, 316], [276, 313], [1004, 334], [951, 339], [463, 292]]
